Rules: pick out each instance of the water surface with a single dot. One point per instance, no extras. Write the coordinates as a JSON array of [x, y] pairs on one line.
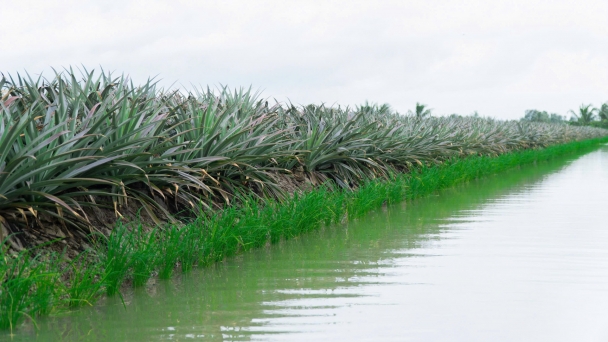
[[521, 256]]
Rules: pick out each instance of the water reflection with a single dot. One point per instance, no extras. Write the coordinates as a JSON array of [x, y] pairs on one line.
[[403, 272]]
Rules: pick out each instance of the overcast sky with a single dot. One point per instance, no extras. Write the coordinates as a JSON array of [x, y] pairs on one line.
[[497, 57]]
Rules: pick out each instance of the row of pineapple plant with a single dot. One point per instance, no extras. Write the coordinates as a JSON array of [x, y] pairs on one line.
[[84, 140]]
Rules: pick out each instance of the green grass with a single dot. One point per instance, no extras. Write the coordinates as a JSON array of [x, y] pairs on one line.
[[145, 255], [84, 282], [117, 258], [170, 247], [29, 288], [36, 286]]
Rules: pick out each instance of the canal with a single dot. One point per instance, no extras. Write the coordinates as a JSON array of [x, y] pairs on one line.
[[520, 256]]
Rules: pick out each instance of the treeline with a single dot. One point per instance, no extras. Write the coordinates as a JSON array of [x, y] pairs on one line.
[[585, 115]]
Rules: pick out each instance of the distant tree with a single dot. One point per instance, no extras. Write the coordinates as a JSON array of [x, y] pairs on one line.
[[475, 114], [421, 111], [585, 115], [556, 118], [603, 112], [536, 116]]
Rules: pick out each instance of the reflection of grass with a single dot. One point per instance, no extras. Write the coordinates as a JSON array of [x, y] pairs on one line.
[[34, 286]]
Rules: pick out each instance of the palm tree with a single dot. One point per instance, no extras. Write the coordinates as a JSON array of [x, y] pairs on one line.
[[421, 111], [585, 115], [603, 112]]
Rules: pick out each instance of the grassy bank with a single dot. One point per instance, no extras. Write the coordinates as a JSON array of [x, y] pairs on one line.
[[37, 284]]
